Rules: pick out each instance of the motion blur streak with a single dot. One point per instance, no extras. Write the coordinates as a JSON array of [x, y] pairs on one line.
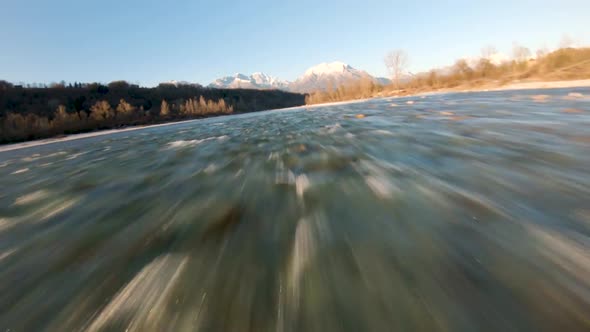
[[456, 212]]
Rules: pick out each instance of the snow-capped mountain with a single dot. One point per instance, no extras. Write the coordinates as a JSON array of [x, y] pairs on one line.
[[329, 74], [254, 81], [315, 78], [180, 83]]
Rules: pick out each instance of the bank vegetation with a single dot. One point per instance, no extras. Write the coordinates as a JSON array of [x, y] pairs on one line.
[[33, 112], [563, 64]]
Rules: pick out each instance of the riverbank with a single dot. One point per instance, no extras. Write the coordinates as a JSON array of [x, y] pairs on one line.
[[494, 86], [71, 137], [28, 144], [31, 113], [508, 87], [544, 85]]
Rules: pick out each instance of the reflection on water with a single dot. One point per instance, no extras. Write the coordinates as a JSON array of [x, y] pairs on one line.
[[460, 212]]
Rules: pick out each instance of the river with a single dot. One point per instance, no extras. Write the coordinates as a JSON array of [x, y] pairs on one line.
[[450, 212]]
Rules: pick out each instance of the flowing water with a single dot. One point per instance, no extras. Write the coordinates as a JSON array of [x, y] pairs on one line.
[[455, 212]]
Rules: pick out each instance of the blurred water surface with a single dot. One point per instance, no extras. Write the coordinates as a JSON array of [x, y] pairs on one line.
[[455, 212]]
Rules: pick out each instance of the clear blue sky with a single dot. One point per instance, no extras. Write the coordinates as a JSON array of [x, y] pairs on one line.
[[150, 41]]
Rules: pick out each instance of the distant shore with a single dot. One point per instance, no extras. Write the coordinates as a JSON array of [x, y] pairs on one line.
[[507, 87], [543, 85], [531, 85], [484, 88]]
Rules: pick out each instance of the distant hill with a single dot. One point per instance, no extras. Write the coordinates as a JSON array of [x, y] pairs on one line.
[[316, 78]]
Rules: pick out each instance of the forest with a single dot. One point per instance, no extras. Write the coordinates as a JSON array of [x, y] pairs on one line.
[[33, 112]]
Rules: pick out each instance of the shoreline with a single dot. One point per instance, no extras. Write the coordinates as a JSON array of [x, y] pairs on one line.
[[332, 103], [486, 88], [531, 85], [507, 87], [73, 137], [542, 85]]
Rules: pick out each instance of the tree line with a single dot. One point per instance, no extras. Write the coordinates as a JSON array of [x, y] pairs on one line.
[[32, 113], [563, 64], [365, 87]]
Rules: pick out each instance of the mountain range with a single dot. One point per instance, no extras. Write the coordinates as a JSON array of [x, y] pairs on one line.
[[315, 78], [254, 81]]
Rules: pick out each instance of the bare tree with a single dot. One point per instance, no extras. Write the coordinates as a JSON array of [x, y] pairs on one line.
[[541, 52], [520, 53], [566, 41], [124, 109], [101, 111], [164, 109], [488, 51], [396, 62]]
